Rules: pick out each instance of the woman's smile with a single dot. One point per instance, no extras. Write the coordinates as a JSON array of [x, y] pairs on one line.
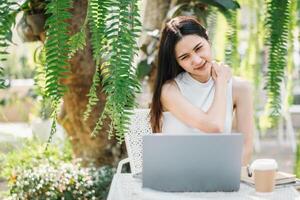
[[201, 67]]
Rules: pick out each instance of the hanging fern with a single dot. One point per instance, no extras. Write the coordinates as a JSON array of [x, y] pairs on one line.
[[232, 57], [98, 11], [7, 15], [290, 63], [77, 41], [277, 23], [92, 95], [119, 79], [57, 51], [40, 82]]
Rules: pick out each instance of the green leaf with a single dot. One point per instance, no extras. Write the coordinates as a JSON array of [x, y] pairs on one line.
[[277, 21], [57, 49], [6, 22], [222, 4], [77, 42], [119, 82]]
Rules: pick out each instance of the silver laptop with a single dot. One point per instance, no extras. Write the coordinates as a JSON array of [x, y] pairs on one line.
[[192, 162]]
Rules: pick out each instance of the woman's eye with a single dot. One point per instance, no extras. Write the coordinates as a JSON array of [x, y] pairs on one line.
[[183, 58], [198, 48]]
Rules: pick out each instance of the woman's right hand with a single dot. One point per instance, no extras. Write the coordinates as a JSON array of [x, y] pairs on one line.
[[221, 73]]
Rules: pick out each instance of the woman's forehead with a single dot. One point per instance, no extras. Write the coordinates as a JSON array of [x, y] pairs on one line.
[[187, 43]]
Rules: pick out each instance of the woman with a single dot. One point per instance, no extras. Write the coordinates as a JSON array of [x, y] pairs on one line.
[[192, 92]]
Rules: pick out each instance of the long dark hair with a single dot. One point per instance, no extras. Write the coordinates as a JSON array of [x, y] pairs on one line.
[[168, 68]]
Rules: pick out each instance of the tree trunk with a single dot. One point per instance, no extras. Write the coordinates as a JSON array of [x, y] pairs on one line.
[[98, 150]]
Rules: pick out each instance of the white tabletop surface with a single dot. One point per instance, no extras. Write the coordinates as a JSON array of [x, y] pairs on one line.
[[125, 187]]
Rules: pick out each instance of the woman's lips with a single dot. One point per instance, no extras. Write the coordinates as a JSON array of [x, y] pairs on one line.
[[202, 66]]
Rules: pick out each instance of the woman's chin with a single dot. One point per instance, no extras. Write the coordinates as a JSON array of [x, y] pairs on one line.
[[205, 73]]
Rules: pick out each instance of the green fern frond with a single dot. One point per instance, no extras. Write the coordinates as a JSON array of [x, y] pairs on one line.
[[53, 125], [97, 13], [277, 23], [119, 79], [40, 82], [232, 57], [93, 97], [6, 21], [77, 42], [290, 61], [57, 48], [99, 123]]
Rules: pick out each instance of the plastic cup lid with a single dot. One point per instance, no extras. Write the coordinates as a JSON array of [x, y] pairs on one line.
[[264, 164]]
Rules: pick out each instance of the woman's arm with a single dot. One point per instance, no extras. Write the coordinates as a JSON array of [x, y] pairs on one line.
[[210, 121], [243, 102]]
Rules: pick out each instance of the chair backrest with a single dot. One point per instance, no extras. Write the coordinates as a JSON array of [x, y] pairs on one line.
[[139, 126]]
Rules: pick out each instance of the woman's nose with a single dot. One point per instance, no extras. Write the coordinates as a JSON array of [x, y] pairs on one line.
[[196, 59]]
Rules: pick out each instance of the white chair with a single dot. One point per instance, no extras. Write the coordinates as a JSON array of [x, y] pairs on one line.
[[139, 126]]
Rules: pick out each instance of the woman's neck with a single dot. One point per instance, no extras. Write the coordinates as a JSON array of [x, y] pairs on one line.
[[201, 79]]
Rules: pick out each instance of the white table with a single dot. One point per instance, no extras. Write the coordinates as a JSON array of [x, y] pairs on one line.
[[125, 187]]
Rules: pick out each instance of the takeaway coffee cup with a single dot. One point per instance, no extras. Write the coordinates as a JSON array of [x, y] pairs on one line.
[[264, 171]]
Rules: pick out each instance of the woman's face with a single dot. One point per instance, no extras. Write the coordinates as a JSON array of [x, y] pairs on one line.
[[193, 54]]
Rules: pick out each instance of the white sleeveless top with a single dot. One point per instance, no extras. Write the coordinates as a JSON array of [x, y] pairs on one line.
[[200, 95]]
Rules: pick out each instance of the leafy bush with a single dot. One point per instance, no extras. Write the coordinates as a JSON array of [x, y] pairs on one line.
[[34, 173], [31, 154], [67, 181]]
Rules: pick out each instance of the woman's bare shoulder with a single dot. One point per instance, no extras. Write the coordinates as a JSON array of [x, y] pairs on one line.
[[241, 88], [241, 85], [169, 94], [169, 87]]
